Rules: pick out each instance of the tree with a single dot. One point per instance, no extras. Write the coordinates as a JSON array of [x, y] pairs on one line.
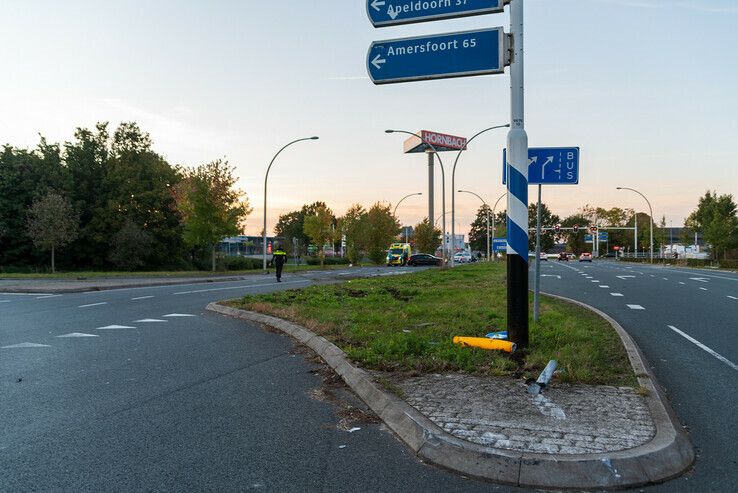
[[478, 231], [427, 237], [319, 228], [211, 206], [548, 220], [130, 246], [382, 227], [52, 223], [716, 218], [353, 224], [575, 241], [291, 226]]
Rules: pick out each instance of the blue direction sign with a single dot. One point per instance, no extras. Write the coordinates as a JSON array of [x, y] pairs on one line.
[[604, 236], [394, 12], [549, 166], [499, 244], [588, 239], [437, 57]]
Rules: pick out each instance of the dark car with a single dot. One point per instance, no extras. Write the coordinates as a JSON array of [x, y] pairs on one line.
[[564, 256], [424, 259]]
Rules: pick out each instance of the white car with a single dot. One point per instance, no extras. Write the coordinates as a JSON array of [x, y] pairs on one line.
[[462, 258]]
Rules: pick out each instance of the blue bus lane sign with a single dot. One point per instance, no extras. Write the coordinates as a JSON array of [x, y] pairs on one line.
[[549, 166], [384, 13], [440, 56]]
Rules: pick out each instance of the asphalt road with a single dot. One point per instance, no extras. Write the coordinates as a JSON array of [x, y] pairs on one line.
[[190, 402], [686, 323]]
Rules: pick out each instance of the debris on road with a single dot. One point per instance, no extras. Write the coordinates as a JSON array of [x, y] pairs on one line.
[[485, 343], [546, 375]]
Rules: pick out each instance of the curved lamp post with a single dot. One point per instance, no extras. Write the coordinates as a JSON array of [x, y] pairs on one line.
[[266, 177], [650, 211], [485, 203], [453, 188], [443, 182], [394, 213]]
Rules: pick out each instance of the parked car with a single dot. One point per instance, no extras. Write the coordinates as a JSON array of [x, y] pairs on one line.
[[424, 259], [563, 256], [585, 257], [544, 256], [463, 258]]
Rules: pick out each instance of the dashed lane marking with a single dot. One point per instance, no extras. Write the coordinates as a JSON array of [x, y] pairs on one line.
[[703, 289], [4, 301], [616, 294], [149, 321], [596, 280], [115, 327], [93, 304], [604, 286], [705, 348], [141, 298], [77, 334], [25, 345], [241, 287], [47, 296], [636, 307], [682, 283], [177, 315], [732, 297]]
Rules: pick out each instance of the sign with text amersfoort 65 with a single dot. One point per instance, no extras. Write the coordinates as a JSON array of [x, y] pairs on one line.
[[440, 56], [395, 12]]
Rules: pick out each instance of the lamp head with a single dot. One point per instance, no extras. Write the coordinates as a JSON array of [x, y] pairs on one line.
[[314, 138], [389, 131]]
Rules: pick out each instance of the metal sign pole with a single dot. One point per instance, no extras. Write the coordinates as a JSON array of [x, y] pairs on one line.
[[517, 187], [537, 287]]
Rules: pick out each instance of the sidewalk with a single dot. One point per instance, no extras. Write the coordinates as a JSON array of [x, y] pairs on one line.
[[570, 436]]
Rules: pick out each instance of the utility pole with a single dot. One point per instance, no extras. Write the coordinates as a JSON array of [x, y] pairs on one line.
[[517, 187]]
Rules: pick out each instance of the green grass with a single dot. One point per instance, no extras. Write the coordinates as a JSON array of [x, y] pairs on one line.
[[406, 324], [196, 273]]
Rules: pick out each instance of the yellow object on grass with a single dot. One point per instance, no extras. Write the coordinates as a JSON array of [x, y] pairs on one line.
[[485, 343]]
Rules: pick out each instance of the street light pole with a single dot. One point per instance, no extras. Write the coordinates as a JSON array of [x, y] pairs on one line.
[[398, 205], [453, 189], [650, 211], [485, 203], [266, 178], [443, 183]]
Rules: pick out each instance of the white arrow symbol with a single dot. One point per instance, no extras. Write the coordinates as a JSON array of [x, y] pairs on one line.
[[393, 12], [378, 61], [549, 160], [376, 4], [533, 160]]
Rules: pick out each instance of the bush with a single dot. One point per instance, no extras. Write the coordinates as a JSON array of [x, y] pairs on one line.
[[241, 263], [328, 261]]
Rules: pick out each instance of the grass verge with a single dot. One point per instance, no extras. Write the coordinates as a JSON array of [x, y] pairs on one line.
[[406, 323]]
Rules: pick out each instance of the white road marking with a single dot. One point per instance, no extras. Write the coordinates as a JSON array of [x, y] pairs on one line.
[[702, 346], [596, 280], [636, 307], [141, 298], [241, 287], [732, 297], [666, 278], [27, 294], [93, 304], [175, 315], [149, 321], [25, 344], [625, 277], [699, 279], [703, 289], [115, 327], [682, 283], [604, 286], [4, 301], [47, 296], [616, 294], [78, 334]]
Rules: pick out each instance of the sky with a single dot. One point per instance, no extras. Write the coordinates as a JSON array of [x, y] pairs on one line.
[[648, 89]]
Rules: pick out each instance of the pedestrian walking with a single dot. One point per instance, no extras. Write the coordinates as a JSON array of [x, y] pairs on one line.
[[279, 257]]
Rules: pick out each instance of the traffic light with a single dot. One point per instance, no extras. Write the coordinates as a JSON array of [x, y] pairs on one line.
[[593, 229], [557, 228], [576, 228]]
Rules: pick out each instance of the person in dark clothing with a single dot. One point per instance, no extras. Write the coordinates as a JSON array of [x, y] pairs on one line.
[[279, 257]]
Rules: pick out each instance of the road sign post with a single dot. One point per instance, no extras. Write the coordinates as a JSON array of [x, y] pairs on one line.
[[440, 56], [384, 13]]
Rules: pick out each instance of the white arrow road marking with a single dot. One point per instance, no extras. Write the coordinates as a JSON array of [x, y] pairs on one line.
[[378, 61], [625, 277], [141, 298], [616, 294], [24, 344], [115, 327], [78, 334], [376, 4], [93, 304], [636, 307], [702, 346], [149, 321], [174, 315], [699, 279]]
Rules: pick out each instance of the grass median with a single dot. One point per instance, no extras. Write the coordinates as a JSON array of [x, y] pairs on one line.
[[406, 324]]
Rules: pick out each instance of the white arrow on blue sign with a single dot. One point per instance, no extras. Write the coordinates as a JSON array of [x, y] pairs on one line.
[[440, 56], [395, 12], [549, 166]]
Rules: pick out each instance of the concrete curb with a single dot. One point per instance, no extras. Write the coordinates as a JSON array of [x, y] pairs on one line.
[[94, 287], [666, 456]]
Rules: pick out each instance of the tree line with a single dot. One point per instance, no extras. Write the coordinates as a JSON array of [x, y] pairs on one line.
[[107, 201]]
